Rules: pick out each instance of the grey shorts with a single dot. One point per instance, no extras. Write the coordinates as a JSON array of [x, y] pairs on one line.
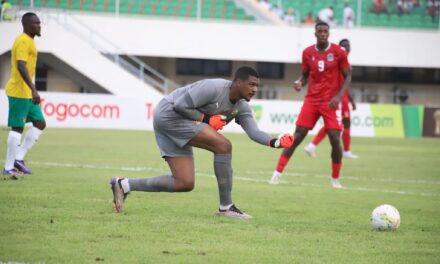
[[172, 131]]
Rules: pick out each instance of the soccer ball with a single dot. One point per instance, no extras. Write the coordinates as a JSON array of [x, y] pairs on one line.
[[385, 217]]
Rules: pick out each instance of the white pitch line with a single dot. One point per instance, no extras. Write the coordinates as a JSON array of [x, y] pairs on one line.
[[362, 189], [354, 178], [236, 177]]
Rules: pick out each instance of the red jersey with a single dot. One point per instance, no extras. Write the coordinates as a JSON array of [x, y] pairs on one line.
[[344, 98], [324, 68]]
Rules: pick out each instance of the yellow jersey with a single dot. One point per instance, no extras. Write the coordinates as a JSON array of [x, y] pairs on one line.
[[23, 50]]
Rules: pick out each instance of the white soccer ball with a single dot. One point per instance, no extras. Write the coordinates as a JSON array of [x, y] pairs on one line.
[[385, 217]]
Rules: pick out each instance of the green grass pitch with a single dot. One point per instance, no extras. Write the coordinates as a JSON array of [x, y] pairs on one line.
[[62, 213]]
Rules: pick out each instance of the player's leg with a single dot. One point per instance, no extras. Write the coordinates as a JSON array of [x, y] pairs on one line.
[[181, 179], [31, 137], [13, 144], [320, 136], [311, 147], [286, 154], [332, 120], [307, 119], [346, 136], [35, 116], [18, 110], [211, 140], [336, 154]]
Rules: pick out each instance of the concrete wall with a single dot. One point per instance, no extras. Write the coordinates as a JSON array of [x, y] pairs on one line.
[[253, 42], [159, 42], [57, 82]]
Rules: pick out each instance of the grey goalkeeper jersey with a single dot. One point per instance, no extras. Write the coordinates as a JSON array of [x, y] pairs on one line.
[[211, 96]]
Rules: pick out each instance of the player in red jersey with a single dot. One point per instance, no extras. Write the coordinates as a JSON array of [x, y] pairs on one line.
[[345, 108], [322, 64]]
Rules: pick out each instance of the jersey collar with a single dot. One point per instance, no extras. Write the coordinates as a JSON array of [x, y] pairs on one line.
[[327, 48]]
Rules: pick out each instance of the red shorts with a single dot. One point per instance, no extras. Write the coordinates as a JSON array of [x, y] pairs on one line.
[[345, 109], [310, 114]]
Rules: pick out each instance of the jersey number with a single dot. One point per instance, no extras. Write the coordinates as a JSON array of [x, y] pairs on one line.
[[321, 65]]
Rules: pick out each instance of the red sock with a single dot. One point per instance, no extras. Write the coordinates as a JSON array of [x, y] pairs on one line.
[[346, 139], [282, 162], [336, 167], [320, 136]]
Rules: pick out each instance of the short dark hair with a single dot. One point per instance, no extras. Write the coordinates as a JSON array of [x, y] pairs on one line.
[[343, 40], [244, 72], [321, 24], [26, 17]]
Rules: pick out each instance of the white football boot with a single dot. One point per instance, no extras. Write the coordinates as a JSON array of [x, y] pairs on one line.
[[310, 149], [276, 177], [336, 183], [349, 155], [233, 212]]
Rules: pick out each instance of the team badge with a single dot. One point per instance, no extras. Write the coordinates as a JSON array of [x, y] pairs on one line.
[[313, 58], [330, 57]]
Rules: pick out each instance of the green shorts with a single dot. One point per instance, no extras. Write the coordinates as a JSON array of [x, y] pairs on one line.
[[22, 111]]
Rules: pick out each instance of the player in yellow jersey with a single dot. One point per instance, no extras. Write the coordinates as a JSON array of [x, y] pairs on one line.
[[24, 100]]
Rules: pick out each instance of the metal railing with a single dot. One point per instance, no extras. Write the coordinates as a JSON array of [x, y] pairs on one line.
[[111, 51]]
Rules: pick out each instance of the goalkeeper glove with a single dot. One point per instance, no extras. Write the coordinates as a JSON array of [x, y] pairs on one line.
[[284, 140], [216, 121]]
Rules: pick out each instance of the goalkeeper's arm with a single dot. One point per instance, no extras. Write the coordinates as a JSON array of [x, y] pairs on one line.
[[185, 107], [250, 127]]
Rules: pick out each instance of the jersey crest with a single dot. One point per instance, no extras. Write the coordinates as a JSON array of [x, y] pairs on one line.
[[231, 114], [330, 57]]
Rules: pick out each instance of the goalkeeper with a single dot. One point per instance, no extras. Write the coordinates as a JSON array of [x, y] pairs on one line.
[[191, 117]]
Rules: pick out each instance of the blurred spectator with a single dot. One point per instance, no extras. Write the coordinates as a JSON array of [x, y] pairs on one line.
[[6, 11], [433, 9], [309, 19], [265, 4], [404, 7], [348, 16], [289, 18], [415, 3], [379, 7], [326, 15], [278, 10]]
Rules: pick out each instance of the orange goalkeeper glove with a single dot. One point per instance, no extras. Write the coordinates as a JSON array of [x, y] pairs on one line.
[[284, 140], [216, 121]]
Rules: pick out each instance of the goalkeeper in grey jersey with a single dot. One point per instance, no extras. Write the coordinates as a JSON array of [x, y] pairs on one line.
[[190, 117]]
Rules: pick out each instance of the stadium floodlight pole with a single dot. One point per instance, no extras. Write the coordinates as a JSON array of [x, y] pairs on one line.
[[31, 4], [199, 9], [359, 13], [117, 3]]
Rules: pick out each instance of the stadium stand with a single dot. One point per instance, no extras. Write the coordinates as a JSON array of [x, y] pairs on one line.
[[417, 18], [212, 9]]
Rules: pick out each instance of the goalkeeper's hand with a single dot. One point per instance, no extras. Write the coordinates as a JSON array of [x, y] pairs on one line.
[[284, 140], [216, 121]]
